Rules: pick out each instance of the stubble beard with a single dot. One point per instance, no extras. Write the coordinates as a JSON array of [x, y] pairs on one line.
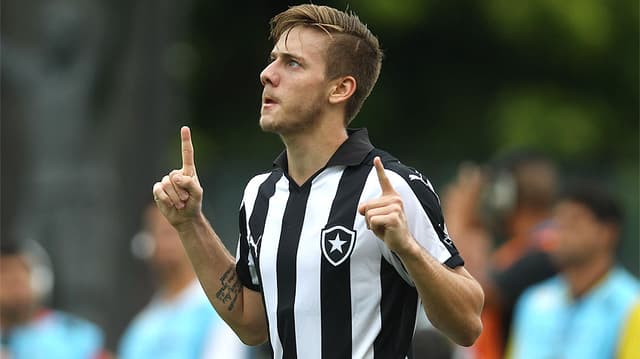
[[297, 120]]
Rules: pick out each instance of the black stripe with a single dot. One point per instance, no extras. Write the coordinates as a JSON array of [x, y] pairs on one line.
[[398, 308], [242, 266], [261, 206], [335, 287], [292, 222]]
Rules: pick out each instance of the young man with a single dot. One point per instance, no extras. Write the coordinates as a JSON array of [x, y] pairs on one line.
[[336, 252], [581, 312]]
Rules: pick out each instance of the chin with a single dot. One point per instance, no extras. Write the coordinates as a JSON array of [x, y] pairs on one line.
[[266, 125]]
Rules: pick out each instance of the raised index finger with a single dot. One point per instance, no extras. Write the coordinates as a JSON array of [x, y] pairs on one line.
[[188, 165], [385, 183]]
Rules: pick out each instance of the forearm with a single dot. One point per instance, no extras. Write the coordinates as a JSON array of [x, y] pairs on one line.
[[216, 270], [452, 299]]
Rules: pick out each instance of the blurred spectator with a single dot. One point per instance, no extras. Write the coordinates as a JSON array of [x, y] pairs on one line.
[[27, 329], [579, 313], [179, 322], [499, 219]]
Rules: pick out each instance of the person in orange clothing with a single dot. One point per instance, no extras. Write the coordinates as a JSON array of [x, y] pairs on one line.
[[499, 215]]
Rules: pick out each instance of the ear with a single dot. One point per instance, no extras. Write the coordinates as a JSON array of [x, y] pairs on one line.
[[342, 89]]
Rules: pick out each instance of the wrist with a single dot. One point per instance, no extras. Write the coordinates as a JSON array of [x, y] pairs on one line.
[[191, 225], [409, 248]]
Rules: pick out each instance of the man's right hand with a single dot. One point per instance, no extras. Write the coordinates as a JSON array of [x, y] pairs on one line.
[[179, 194]]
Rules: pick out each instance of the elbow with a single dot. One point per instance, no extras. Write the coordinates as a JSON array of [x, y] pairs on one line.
[[471, 333], [253, 338]]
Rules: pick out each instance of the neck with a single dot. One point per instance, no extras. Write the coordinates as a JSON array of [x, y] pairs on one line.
[[175, 280], [309, 151], [524, 220], [13, 318], [583, 277]]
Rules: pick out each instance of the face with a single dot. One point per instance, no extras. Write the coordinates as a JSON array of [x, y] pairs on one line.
[[16, 292], [580, 236], [295, 91], [168, 251]]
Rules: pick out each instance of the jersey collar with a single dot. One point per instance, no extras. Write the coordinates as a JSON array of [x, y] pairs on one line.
[[350, 153]]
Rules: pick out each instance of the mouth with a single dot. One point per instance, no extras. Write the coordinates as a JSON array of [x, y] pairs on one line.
[[268, 100]]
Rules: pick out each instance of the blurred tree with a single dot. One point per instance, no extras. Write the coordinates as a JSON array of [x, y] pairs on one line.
[[85, 84]]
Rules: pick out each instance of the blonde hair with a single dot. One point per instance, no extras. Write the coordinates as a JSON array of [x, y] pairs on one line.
[[353, 50]]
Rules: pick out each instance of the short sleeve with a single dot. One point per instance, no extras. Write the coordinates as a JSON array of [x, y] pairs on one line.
[[245, 255], [424, 217]]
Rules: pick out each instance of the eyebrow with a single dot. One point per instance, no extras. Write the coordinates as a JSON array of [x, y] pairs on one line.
[[286, 56]]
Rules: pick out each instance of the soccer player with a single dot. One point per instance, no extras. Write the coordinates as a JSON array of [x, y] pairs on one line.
[[339, 242]]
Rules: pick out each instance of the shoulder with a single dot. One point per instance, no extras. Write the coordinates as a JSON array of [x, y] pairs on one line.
[[624, 287], [626, 280], [254, 184], [258, 179], [408, 175], [409, 182], [546, 294], [77, 331]]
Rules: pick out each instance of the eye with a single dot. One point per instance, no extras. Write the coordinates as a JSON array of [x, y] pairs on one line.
[[293, 63]]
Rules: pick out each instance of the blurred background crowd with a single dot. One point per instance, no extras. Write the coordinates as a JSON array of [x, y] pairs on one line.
[[523, 114]]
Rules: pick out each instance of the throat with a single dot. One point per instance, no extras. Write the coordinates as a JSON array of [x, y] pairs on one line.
[[309, 152]]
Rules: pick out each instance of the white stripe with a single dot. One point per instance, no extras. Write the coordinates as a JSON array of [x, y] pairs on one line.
[[251, 192], [366, 289], [307, 307], [268, 258], [249, 200]]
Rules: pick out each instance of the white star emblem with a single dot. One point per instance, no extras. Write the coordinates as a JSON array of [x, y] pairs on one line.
[[336, 244]]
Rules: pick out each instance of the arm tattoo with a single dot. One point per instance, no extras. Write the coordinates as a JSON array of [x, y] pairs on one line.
[[231, 287]]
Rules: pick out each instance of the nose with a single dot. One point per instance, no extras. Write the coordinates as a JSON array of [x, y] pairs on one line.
[[269, 75]]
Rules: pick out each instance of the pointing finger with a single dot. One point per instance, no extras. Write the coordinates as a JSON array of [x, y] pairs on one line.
[[385, 183], [188, 165]]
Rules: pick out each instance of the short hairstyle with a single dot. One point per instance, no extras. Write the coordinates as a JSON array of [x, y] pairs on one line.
[[9, 247], [353, 49], [594, 196]]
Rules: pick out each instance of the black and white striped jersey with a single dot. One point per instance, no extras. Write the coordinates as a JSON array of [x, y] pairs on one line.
[[330, 287]]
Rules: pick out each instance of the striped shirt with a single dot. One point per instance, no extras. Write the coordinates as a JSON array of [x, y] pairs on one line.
[[330, 287]]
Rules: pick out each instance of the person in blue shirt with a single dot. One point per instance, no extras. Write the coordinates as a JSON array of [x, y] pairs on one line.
[[29, 330], [580, 312], [179, 321]]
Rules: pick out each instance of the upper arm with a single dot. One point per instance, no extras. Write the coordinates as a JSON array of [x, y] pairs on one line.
[[254, 329]]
